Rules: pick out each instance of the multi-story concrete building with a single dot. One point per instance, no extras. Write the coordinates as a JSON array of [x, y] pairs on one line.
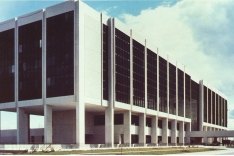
[[97, 81]]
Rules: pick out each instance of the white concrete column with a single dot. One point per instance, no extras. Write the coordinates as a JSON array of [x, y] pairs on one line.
[[168, 85], [201, 105], [188, 129], [165, 131], [22, 126], [127, 127], [173, 132], [177, 90], [48, 124], [80, 124], [109, 112], [181, 132], [184, 94], [79, 76], [205, 140], [109, 126], [142, 127], [154, 133]]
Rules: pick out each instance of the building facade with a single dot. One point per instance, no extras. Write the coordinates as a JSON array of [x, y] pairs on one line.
[[96, 81]]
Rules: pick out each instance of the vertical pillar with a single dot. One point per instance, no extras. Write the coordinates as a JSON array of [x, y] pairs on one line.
[[48, 124], [176, 90], [188, 129], [173, 132], [165, 131], [184, 94], [109, 126], [205, 140], [127, 127], [80, 124], [109, 112], [201, 105], [168, 85], [181, 132], [22, 126], [205, 129], [142, 127], [79, 76], [154, 133]]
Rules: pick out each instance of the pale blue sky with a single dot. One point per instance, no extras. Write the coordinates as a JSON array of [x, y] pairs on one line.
[[196, 33]]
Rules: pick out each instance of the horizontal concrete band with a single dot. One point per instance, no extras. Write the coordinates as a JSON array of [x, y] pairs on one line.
[[210, 134]]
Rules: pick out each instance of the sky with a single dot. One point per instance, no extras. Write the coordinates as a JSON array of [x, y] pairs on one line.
[[196, 33]]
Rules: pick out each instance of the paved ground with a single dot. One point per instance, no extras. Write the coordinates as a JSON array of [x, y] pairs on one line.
[[224, 151]]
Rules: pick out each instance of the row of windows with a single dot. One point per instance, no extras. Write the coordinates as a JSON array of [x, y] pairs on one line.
[[59, 58], [30, 53], [105, 61], [187, 96], [172, 89], [152, 79], [194, 106], [162, 85], [138, 74], [186, 87], [122, 67], [7, 82], [180, 92], [215, 108]]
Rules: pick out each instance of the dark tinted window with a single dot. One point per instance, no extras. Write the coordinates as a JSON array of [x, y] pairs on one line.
[[148, 139], [105, 62], [7, 69], [152, 79], [209, 106], [205, 103], [180, 92], [194, 106], [118, 119], [138, 74], [122, 67], [60, 55], [213, 108], [135, 139], [159, 123], [162, 85], [217, 111], [187, 96], [225, 110], [30, 61], [221, 112], [148, 122], [135, 120], [99, 120], [169, 124], [172, 89]]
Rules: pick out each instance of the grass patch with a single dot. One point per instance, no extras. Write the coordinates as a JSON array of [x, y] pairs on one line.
[[129, 151]]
